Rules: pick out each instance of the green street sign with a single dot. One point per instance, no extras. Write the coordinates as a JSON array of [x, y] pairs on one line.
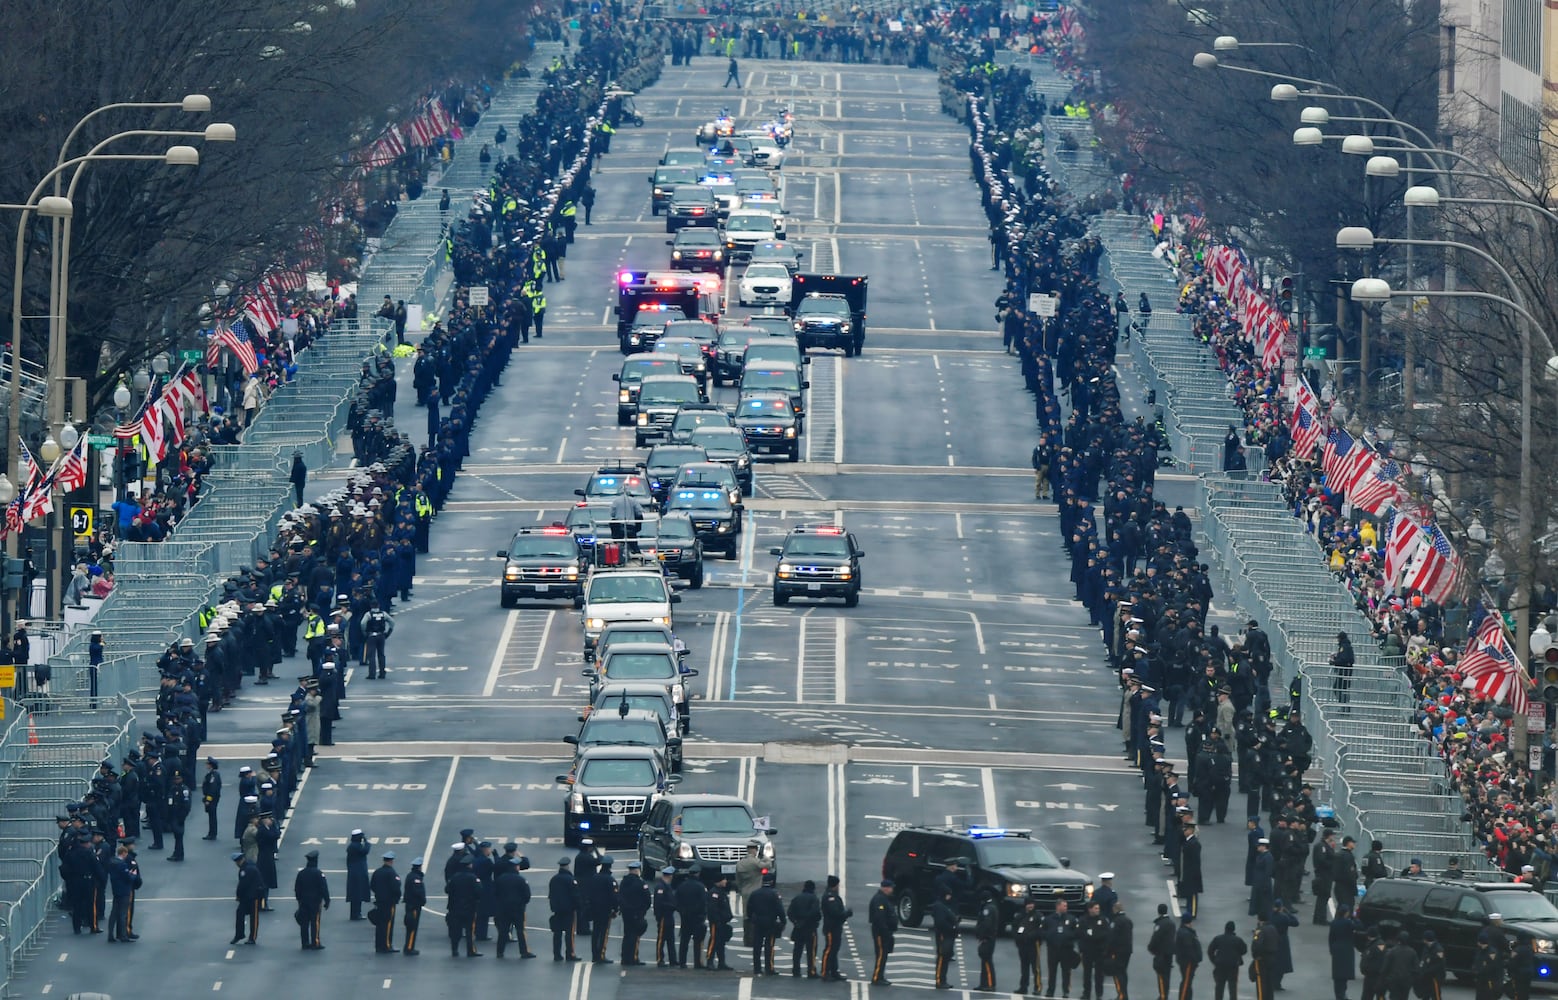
[[1314, 352], [100, 440], [193, 357]]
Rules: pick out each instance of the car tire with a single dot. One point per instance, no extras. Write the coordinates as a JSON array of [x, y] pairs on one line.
[[696, 580], [505, 601], [909, 912], [570, 838], [638, 441], [795, 453], [578, 602], [730, 552], [780, 598], [852, 599]]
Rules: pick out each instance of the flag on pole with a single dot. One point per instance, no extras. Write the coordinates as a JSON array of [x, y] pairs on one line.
[[1379, 488], [151, 432], [1435, 570], [1306, 430], [29, 467], [71, 474], [1401, 545], [241, 347]]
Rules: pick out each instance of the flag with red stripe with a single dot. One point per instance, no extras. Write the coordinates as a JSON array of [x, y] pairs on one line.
[[1306, 430], [1435, 570], [242, 349], [1402, 541], [72, 473]]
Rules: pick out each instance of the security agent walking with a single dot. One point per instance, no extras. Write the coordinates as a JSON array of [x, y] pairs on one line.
[[692, 908], [765, 913], [805, 913], [562, 895], [601, 897], [987, 927], [377, 627], [732, 75], [664, 901], [249, 894], [633, 899], [312, 892], [1226, 953], [385, 886], [834, 915], [415, 898], [883, 916]]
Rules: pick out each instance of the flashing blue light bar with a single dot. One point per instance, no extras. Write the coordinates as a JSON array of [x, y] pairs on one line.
[[584, 824], [981, 832]]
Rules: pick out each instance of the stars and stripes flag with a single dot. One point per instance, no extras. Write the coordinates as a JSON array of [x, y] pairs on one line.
[[1344, 460], [1306, 430], [242, 349], [1305, 396], [1221, 268], [1402, 540], [71, 470], [1271, 344], [29, 466], [1491, 668], [151, 431], [259, 307], [1379, 488], [1434, 569]]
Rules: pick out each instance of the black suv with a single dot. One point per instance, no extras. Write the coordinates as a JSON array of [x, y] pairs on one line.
[[663, 462], [674, 542], [1008, 867], [542, 562], [818, 561], [1457, 911], [691, 205], [769, 422], [610, 791], [712, 514], [824, 320], [664, 182], [623, 726]]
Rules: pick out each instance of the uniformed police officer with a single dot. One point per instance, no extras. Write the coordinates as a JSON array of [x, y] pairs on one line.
[[250, 893], [463, 891], [765, 914], [211, 795], [693, 909], [665, 918], [511, 894], [884, 924], [415, 898], [385, 886], [562, 894], [313, 894], [834, 916], [601, 899], [720, 916], [633, 897]]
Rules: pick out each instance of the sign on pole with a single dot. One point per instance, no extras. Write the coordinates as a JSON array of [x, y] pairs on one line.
[[100, 441], [192, 357], [81, 521], [1043, 305], [478, 295]]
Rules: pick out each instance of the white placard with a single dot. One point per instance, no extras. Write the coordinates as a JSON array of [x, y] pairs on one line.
[[478, 295], [1043, 306]]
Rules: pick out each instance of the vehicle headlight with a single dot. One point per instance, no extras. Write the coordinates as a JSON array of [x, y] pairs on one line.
[[785, 569], [789, 432], [742, 461], [595, 623], [1016, 890], [723, 527], [1088, 892], [511, 574], [735, 497], [845, 574], [624, 396], [663, 620], [576, 802], [643, 418], [573, 574], [676, 255], [767, 851], [684, 852], [700, 366], [718, 254], [1543, 946], [633, 338], [799, 326]]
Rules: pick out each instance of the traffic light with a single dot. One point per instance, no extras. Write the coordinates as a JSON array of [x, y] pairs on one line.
[[13, 572], [1544, 663], [1285, 293]]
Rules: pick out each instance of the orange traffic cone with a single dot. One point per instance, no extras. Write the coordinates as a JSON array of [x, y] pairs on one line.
[[32, 731]]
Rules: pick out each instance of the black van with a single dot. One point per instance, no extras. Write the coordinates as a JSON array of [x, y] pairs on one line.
[[1457, 911]]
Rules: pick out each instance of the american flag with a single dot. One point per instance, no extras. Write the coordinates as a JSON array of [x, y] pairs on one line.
[[1435, 570], [260, 309], [152, 433], [1491, 668], [70, 473], [1338, 456], [1306, 430], [1379, 488], [1305, 396], [29, 466], [1273, 332], [1222, 266], [241, 347], [1402, 540]]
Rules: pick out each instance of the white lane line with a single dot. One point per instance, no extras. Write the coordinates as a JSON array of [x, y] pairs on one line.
[[744, 988], [497, 657], [936, 360], [838, 197], [957, 519], [914, 781], [800, 661], [438, 814], [839, 673], [1173, 898], [987, 780], [561, 445], [838, 409], [843, 835], [979, 633], [717, 644], [992, 699]]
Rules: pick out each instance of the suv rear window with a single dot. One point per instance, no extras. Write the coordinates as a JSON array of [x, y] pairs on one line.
[[1441, 901], [1389, 896]]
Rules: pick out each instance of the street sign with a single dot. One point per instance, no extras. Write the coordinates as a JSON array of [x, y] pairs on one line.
[[1314, 352], [193, 357], [1043, 305], [478, 295], [81, 521], [7, 680], [100, 440]]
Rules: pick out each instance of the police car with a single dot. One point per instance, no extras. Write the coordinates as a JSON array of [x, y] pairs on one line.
[[769, 422], [542, 563], [611, 480], [1008, 867], [818, 561], [712, 514]]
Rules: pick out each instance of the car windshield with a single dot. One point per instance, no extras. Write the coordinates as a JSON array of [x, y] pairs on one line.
[[750, 224], [584, 518], [701, 238], [774, 326], [756, 378], [675, 175], [611, 702], [674, 531], [610, 771], [695, 330], [715, 819], [670, 392], [816, 545], [640, 666], [623, 589], [697, 418], [692, 195], [719, 439], [635, 370], [663, 457], [1015, 852], [618, 634], [1521, 905], [606, 727], [685, 349], [830, 307], [759, 353], [775, 271], [541, 546], [734, 340], [683, 156], [699, 499]]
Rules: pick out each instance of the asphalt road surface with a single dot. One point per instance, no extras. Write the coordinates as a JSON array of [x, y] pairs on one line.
[[966, 688]]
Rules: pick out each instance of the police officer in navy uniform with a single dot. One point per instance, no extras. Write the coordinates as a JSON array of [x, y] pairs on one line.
[[720, 916], [562, 895], [601, 899], [415, 898], [884, 924], [834, 915], [765, 912], [385, 886], [463, 891], [211, 795], [312, 892], [633, 897], [693, 909], [511, 894], [249, 894], [664, 898]]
